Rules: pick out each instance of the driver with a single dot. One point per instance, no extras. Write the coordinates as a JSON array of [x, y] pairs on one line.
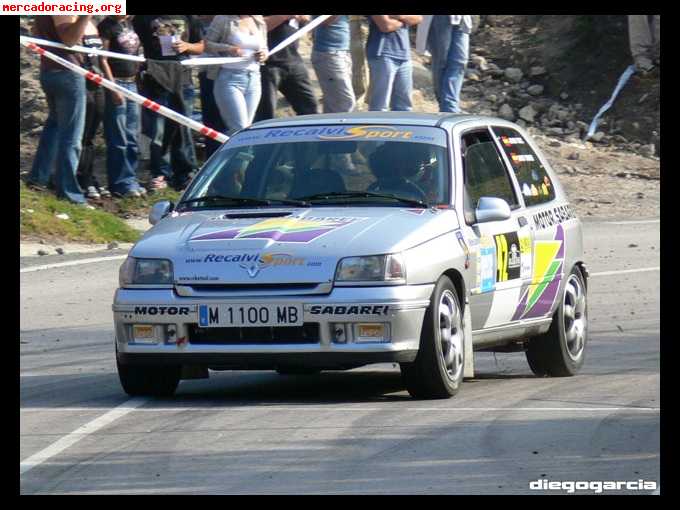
[[397, 167]]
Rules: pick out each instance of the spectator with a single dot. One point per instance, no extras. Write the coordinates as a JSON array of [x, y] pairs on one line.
[[285, 70], [60, 141], [94, 113], [388, 50], [121, 117], [169, 38], [644, 32], [210, 115], [333, 64], [447, 37], [358, 51], [237, 88]]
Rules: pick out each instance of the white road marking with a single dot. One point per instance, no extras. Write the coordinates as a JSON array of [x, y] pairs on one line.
[[89, 428], [357, 409], [625, 271], [70, 263], [632, 222]]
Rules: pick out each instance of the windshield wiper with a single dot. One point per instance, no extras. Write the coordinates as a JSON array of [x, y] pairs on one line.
[[245, 200], [363, 194]]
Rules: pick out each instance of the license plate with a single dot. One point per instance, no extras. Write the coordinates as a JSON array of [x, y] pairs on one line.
[[245, 315]]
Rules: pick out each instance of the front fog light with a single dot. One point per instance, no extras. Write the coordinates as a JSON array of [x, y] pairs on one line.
[[144, 334], [374, 332]]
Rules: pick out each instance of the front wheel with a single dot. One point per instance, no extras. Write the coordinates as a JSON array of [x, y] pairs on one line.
[[561, 351], [149, 380], [437, 371]]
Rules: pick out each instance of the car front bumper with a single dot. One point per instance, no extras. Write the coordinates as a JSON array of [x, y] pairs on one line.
[[403, 308]]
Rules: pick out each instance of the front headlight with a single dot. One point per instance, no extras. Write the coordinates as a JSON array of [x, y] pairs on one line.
[[374, 268], [145, 272]]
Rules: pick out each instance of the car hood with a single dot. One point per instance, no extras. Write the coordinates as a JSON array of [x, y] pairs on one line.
[[284, 246]]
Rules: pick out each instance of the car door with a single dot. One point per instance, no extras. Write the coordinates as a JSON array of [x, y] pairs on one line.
[[538, 194], [503, 253]]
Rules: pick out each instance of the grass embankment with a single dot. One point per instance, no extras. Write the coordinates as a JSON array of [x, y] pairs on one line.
[[38, 220]]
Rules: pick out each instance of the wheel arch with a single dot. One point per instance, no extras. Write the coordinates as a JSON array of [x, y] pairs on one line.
[[459, 283]]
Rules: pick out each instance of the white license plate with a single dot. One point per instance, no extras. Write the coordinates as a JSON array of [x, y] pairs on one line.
[[249, 315]]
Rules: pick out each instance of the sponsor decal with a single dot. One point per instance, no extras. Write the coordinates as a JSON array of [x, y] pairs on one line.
[[524, 235], [508, 141], [253, 267], [508, 257], [289, 229], [538, 298], [464, 246], [550, 217], [349, 309], [486, 265], [350, 133], [161, 310], [520, 158], [197, 278]]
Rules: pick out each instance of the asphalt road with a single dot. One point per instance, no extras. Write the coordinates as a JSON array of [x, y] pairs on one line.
[[341, 432]]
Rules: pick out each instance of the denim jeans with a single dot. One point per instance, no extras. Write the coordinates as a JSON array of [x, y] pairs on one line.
[[237, 93], [334, 72], [454, 72], [121, 130], [391, 84], [171, 151], [210, 115], [60, 141], [94, 115]]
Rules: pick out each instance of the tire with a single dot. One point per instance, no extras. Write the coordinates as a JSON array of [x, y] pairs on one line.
[[437, 371], [297, 371], [146, 380], [560, 352]]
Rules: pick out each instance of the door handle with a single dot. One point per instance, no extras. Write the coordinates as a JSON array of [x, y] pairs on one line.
[[522, 221]]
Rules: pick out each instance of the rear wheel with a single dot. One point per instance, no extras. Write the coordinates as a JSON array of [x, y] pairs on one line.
[[149, 380], [561, 351], [437, 371]]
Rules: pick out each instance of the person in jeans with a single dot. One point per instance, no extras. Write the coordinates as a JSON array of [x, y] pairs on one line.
[[121, 116], [60, 141], [644, 32], [332, 62], [210, 115], [237, 88], [169, 38], [358, 51], [447, 37], [285, 71], [388, 51], [94, 114]]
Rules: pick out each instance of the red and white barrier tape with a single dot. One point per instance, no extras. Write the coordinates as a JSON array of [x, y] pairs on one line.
[[198, 61], [146, 103]]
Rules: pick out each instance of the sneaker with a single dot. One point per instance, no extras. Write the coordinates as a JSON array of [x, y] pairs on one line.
[[141, 191], [158, 183], [104, 192], [132, 193], [92, 193], [36, 186]]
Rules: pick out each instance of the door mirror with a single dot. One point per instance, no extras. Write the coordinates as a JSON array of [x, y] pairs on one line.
[[492, 209], [160, 210]]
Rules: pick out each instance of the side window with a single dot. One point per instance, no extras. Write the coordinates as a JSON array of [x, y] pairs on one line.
[[484, 172], [532, 177]]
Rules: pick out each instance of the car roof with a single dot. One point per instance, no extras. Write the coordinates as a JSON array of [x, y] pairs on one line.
[[406, 118]]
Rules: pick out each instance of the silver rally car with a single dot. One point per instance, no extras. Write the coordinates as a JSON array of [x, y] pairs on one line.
[[328, 242]]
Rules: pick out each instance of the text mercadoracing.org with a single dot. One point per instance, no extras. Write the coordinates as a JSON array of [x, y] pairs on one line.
[[35, 8], [596, 486]]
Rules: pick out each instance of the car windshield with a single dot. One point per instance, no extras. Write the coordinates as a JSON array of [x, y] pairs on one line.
[[326, 165]]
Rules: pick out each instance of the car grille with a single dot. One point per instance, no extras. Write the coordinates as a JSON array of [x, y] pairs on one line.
[[308, 333]]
